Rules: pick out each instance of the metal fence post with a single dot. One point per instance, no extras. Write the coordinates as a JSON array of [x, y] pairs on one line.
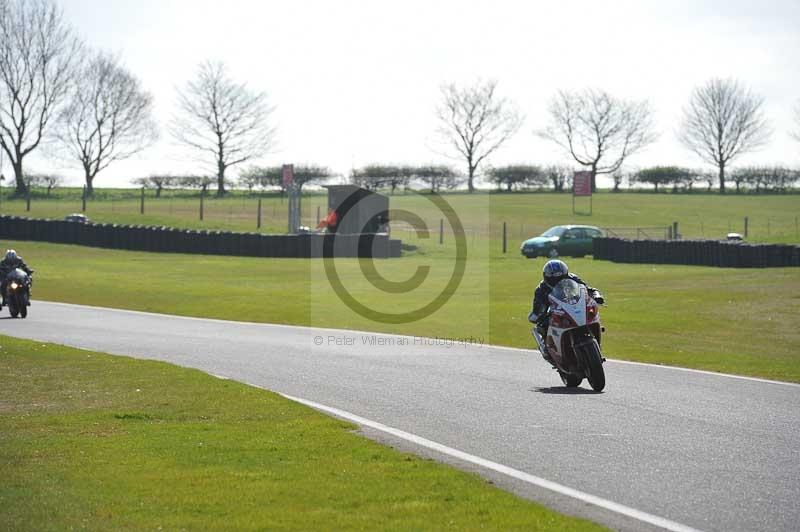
[[441, 230], [505, 241], [83, 199], [141, 206], [258, 222], [202, 196], [746, 220]]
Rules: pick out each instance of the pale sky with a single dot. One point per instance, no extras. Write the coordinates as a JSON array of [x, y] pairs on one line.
[[356, 82]]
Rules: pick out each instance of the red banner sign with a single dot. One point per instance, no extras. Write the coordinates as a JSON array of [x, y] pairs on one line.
[[288, 175], [582, 184]]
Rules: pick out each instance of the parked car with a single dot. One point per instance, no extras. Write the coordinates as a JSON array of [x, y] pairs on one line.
[[567, 240], [75, 217]]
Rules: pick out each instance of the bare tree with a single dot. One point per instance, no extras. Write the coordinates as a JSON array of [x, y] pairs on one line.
[[108, 117], [310, 174], [777, 178], [158, 182], [47, 181], [723, 120], [704, 176], [223, 119], [38, 52], [438, 177], [262, 177], [375, 176], [474, 122], [662, 175], [201, 182], [250, 180], [559, 175], [598, 130], [518, 176], [619, 178]]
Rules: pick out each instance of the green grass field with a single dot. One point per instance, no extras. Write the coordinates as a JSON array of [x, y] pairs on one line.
[[738, 321], [709, 318], [772, 218], [99, 442], [88, 450]]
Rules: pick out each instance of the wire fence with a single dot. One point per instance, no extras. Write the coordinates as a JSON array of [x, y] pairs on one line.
[[242, 213]]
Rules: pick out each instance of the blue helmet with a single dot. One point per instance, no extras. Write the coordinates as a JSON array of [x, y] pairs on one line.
[[11, 255], [554, 271]]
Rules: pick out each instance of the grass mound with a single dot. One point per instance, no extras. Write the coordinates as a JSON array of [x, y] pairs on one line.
[[89, 440]]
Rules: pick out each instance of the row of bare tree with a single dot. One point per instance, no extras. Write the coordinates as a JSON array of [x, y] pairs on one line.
[[721, 121], [53, 85], [754, 178], [518, 177], [254, 178]]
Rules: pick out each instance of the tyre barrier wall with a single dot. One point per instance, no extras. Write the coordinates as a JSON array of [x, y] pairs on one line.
[[722, 254], [171, 240]]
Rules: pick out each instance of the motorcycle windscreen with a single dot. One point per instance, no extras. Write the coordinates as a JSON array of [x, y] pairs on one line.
[[567, 291]]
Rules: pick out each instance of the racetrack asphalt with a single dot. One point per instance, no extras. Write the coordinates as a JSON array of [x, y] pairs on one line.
[[703, 450]]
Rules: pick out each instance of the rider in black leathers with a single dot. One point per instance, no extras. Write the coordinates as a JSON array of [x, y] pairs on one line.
[[9, 263]]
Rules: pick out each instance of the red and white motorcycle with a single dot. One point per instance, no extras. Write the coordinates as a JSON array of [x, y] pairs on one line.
[[573, 337]]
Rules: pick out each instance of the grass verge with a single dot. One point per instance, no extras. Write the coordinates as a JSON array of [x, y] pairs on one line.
[[89, 440]]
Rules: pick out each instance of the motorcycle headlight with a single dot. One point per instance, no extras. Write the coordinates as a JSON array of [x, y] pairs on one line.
[[14, 286]]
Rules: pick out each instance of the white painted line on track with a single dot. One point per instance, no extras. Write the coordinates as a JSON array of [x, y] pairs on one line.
[[704, 372], [499, 468], [664, 366], [391, 335]]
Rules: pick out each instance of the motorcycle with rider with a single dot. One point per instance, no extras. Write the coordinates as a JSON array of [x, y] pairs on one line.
[[567, 328], [16, 279]]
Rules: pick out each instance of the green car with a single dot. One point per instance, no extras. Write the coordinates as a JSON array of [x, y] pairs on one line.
[[566, 240]]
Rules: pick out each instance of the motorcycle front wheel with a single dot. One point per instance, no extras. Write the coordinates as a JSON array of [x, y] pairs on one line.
[[570, 380], [594, 361]]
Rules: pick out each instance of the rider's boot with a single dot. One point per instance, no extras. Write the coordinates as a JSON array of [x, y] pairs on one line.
[[543, 333]]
